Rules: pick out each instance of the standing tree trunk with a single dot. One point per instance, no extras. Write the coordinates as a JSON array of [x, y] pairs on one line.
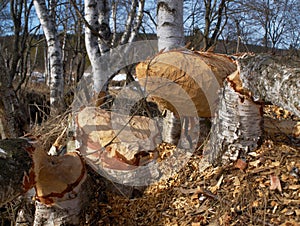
[[97, 35], [47, 21], [129, 22], [13, 119], [170, 24], [237, 128], [138, 21], [170, 36], [12, 67], [213, 17]]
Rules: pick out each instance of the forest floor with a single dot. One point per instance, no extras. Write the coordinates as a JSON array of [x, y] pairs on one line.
[[263, 189]]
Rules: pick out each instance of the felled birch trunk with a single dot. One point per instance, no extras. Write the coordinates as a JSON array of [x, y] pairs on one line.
[[237, 127], [272, 79]]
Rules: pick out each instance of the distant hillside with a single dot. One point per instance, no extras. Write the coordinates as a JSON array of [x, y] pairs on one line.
[[73, 52]]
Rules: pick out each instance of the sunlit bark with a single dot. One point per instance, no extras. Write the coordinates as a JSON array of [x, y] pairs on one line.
[[170, 24], [54, 54], [237, 128]]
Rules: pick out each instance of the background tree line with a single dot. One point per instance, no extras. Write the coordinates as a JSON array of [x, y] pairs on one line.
[[228, 25]]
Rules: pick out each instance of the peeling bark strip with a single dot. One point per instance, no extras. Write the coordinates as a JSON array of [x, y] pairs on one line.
[[15, 165], [272, 79], [237, 127], [170, 24]]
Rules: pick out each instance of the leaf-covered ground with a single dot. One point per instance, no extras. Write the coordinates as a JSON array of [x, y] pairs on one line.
[[266, 192]]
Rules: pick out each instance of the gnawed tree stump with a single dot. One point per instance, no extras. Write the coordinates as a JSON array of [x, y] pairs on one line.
[[258, 79], [236, 128], [116, 145], [61, 188], [59, 181]]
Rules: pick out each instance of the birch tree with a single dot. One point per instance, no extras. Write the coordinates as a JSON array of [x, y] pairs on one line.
[[170, 24], [133, 22], [54, 50], [99, 38], [170, 36]]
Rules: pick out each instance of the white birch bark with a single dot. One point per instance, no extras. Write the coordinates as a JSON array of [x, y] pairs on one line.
[[170, 36], [129, 22], [237, 128], [114, 6], [54, 54], [138, 21], [96, 37], [170, 24]]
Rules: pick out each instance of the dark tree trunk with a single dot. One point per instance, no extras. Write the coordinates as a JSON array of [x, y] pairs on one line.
[[14, 120], [237, 126], [15, 164]]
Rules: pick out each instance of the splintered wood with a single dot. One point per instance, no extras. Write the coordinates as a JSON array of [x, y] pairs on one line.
[[115, 141]]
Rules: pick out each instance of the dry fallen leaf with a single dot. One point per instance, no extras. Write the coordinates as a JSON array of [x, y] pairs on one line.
[[277, 163], [294, 186], [217, 186], [241, 164], [236, 181], [196, 224], [275, 183]]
